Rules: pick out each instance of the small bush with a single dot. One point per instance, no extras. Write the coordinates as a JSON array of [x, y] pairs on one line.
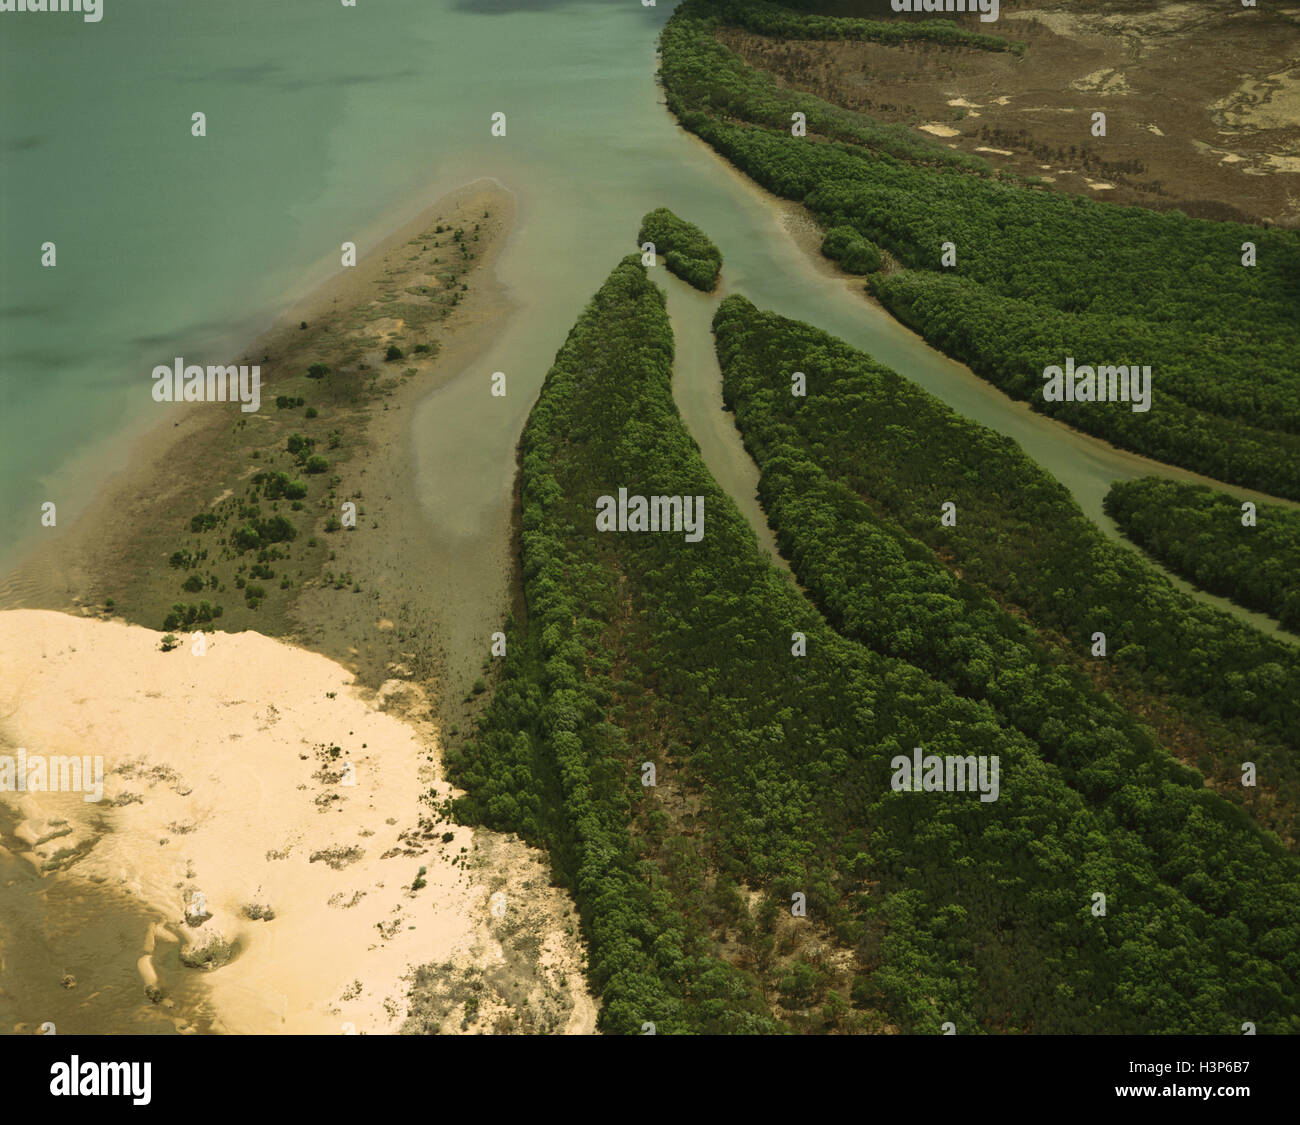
[[837, 239], [278, 486], [213, 955], [687, 251], [257, 534], [861, 257], [245, 539], [853, 252]]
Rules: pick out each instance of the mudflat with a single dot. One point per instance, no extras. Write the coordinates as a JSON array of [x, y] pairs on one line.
[[1202, 101]]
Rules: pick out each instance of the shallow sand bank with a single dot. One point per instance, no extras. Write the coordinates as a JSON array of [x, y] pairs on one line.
[[182, 456]]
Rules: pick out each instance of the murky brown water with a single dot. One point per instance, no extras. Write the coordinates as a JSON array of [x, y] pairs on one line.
[[54, 927]]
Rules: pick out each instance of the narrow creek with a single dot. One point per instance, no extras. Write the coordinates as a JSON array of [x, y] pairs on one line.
[[571, 231]]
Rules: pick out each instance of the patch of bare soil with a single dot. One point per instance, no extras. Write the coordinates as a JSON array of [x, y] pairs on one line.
[[1201, 101]]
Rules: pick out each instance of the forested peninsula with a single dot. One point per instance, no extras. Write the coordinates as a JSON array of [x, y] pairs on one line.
[[709, 750], [1242, 551]]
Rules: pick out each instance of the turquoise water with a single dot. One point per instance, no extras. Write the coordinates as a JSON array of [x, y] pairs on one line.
[[323, 122]]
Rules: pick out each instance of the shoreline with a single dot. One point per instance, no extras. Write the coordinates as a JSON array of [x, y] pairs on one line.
[[384, 632], [42, 575], [799, 225], [112, 457]]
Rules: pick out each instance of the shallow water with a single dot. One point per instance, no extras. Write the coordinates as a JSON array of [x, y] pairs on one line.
[[55, 927]]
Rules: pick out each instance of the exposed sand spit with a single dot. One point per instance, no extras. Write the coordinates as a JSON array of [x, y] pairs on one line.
[[269, 813], [1270, 101]]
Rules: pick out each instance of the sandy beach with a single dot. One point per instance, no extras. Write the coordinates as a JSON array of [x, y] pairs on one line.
[[268, 812]]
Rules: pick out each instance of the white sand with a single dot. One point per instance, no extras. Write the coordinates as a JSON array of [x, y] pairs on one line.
[[229, 754]]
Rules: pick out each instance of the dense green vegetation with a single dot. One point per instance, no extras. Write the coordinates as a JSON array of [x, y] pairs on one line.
[[1200, 535], [688, 251], [764, 18], [1019, 536], [853, 252], [1038, 276], [773, 774], [888, 590]]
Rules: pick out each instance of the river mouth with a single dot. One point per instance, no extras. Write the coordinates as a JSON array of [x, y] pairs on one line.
[[590, 147]]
